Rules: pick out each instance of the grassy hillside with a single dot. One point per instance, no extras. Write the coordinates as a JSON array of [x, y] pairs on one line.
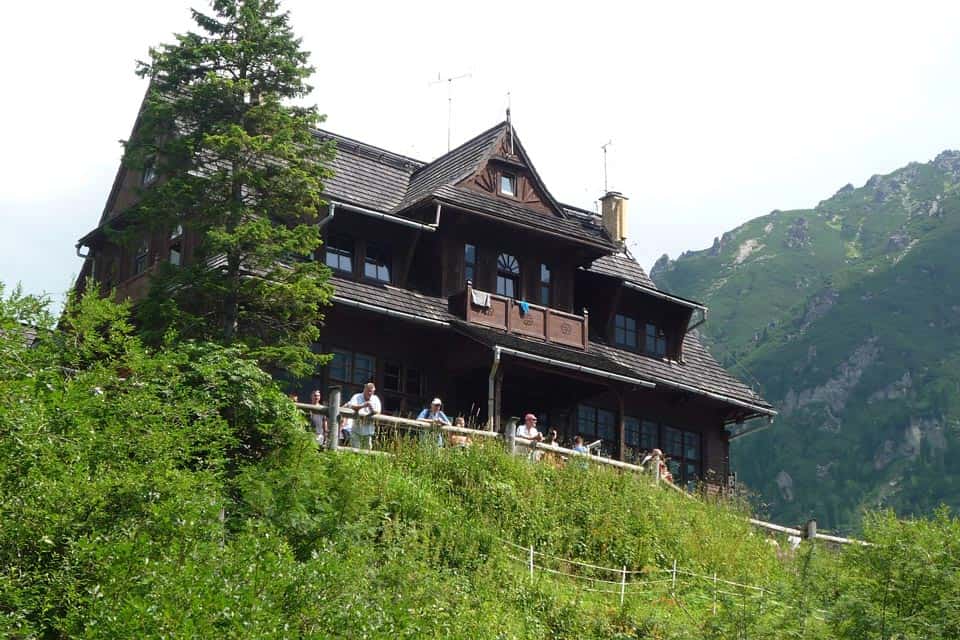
[[178, 494], [848, 316]]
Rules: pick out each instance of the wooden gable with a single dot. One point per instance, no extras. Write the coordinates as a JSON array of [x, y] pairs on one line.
[[508, 157]]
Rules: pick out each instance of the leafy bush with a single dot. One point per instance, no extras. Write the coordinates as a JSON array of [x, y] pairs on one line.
[[177, 493]]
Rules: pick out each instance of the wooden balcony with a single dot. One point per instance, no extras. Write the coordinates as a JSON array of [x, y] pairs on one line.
[[537, 322]]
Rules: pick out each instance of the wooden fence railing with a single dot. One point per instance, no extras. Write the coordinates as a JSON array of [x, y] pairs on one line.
[[333, 411]]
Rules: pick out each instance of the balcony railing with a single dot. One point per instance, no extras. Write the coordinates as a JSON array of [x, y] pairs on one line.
[[533, 321]]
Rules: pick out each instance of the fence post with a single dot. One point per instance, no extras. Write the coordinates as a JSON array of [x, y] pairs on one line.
[[333, 418], [714, 593], [623, 583], [531, 562], [673, 584], [656, 472], [510, 435], [810, 529]]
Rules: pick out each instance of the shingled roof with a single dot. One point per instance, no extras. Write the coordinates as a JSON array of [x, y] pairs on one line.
[[452, 166], [366, 175], [381, 180], [624, 267]]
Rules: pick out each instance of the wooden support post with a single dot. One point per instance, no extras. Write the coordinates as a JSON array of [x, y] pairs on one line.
[[623, 583], [656, 471], [531, 562], [333, 418], [621, 427], [810, 529], [497, 398]]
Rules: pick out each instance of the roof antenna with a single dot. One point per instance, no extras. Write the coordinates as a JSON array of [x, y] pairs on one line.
[[449, 82], [509, 123], [604, 147]]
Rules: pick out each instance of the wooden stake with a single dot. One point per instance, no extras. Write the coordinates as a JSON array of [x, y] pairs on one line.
[[714, 594], [333, 418], [673, 585], [623, 583]]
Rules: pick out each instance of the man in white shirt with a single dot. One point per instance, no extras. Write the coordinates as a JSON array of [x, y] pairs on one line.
[[529, 431], [365, 403]]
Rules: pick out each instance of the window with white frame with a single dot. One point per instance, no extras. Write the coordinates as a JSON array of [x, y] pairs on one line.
[[376, 263], [339, 253], [508, 185]]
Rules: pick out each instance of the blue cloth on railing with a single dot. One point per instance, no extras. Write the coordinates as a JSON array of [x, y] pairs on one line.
[[524, 306]]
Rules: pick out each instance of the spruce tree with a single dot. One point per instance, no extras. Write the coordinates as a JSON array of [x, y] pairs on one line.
[[240, 170]]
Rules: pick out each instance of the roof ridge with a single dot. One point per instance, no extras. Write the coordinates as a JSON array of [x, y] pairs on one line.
[[373, 150], [460, 146]]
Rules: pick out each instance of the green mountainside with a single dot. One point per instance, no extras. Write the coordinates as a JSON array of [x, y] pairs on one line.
[[847, 317]]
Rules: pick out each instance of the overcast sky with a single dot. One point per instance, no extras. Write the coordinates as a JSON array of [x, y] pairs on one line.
[[718, 111]]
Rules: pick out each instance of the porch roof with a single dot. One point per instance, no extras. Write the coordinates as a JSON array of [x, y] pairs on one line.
[[699, 373]]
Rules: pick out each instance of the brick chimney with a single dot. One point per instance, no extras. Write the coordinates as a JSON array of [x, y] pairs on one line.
[[614, 212]]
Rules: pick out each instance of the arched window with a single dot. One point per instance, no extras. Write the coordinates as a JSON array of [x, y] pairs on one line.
[[508, 275]]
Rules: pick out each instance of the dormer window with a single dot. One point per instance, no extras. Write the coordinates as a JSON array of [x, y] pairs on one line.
[[376, 264], [339, 253], [625, 331], [656, 341], [508, 185]]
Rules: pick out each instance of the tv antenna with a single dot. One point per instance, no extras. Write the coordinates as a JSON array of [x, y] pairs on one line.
[[509, 122], [449, 82], [604, 147]]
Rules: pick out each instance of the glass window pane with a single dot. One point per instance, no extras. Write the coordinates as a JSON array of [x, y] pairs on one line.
[[606, 425], [175, 255], [339, 253], [508, 185], [391, 376], [673, 442], [631, 427], [506, 286], [586, 420], [414, 382], [691, 445], [377, 263], [507, 264], [340, 366], [470, 262], [649, 435], [362, 368], [545, 295], [544, 274]]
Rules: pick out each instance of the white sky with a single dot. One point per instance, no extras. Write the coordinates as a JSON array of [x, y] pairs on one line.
[[718, 111]]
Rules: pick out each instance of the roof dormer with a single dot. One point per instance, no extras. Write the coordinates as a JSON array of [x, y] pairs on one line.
[[505, 172]]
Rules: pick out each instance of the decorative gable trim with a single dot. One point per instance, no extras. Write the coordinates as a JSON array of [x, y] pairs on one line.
[[507, 156]]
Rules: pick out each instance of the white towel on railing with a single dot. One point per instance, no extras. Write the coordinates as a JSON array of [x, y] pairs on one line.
[[480, 298]]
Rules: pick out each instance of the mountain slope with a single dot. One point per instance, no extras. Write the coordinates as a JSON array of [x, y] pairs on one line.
[[848, 316]]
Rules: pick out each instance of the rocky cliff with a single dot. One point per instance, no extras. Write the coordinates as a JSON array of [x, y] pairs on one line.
[[847, 316]]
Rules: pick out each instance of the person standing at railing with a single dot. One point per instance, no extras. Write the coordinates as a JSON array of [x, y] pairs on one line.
[[529, 431], [366, 404], [318, 420], [434, 413], [459, 439]]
